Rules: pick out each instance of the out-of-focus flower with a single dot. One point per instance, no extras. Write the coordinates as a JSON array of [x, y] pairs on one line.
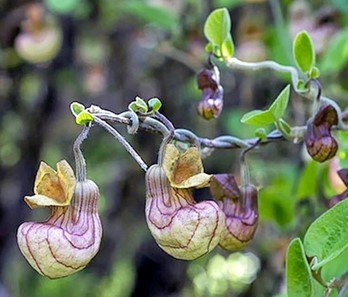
[[321, 145], [335, 180], [212, 97], [70, 237], [181, 227], [240, 207], [343, 174], [40, 38]]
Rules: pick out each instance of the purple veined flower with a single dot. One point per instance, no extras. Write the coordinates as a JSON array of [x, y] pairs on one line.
[[212, 94], [67, 241], [240, 207], [343, 174], [321, 145], [182, 227]]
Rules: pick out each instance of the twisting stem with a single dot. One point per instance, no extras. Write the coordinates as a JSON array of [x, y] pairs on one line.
[[79, 158], [123, 141]]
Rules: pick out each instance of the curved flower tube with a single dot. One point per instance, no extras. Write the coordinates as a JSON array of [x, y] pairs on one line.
[[240, 208], [70, 238], [181, 227]]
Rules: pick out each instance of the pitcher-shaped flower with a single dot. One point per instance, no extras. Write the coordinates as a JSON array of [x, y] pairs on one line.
[[70, 237], [240, 207], [321, 145], [212, 94], [181, 227]]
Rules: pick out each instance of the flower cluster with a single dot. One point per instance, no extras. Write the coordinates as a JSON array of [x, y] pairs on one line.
[[68, 240]]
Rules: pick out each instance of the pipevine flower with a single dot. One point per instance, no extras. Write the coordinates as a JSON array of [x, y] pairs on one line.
[[321, 145], [212, 98], [181, 227], [67, 241], [241, 210], [343, 174]]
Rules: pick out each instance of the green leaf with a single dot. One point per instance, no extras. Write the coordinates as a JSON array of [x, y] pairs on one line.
[[258, 118], [284, 128], [62, 6], [76, 108], [153, 14], [155, 104], [336, 56], [276, 200], [217, 30], [261, 133], [314, 73], [327, 236], [303, 51], [138, 105], [227, 47], [298, 274], [341, 5], [336, 268], [279, 105], [84, 118], [308, 184], [209, 48]]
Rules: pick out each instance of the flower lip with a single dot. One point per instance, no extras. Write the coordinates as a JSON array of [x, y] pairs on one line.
[[184, 170], [52, 188]]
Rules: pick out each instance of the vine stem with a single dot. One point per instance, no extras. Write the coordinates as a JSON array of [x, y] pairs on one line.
[[79, 158], [235, 63], [123, 141]]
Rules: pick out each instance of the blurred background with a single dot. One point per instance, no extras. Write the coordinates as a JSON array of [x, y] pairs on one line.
[[107, 52]]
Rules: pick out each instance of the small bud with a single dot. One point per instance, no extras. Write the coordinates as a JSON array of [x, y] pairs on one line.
[[212, 97], [181, 227], [70, 238], [321, 145], [240, 208]]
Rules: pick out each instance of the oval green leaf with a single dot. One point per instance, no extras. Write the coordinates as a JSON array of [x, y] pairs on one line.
[[258, 118], [76, 108], [327, 236], [138, 105], [155, 104], [303, 51], [227, 47], [298, 274], [84, 118], [217, 27], [279, 105]]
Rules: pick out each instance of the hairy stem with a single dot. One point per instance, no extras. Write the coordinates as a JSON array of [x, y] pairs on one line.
[[79, 158], [123, 141]]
